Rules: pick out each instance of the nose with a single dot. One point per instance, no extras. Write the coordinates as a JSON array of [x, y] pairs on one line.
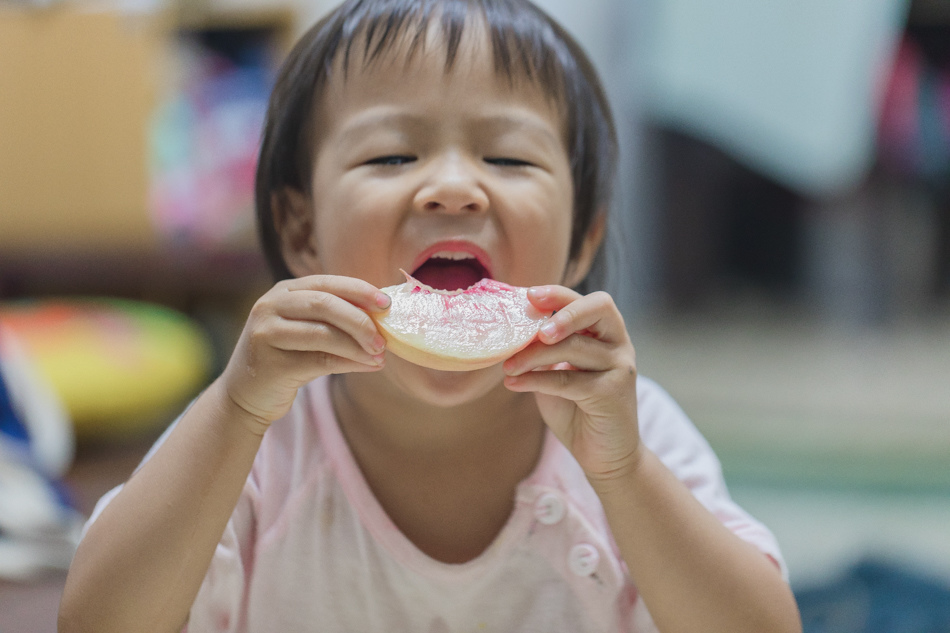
[[452, 187]]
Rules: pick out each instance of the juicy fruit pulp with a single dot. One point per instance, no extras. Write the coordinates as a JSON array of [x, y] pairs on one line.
[[458, 330]]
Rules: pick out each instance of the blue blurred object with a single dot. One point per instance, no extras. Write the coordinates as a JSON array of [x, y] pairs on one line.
[[10, 426], [877, 597], [39, 525]]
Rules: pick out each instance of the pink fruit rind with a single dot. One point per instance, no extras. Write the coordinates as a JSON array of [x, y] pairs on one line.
[[458, 330]]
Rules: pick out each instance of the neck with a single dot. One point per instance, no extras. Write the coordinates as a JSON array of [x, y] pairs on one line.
[[372, 412], [446, 476]]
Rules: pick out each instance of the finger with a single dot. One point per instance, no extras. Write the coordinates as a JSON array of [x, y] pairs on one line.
[[582, 387], [594, 314], [360, 293], [305, 366], [581, 352], [310, 336], [551, 298], [570, 385], [318, 306]]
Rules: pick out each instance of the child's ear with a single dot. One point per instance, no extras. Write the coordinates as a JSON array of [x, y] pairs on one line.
[[294, 224], [580, 265]]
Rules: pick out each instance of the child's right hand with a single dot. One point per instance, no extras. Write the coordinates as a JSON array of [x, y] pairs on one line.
[[298, 331]]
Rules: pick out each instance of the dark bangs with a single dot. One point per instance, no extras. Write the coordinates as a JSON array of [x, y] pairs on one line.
[[526, 45]]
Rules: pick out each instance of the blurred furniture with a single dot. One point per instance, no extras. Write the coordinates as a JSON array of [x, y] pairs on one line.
[[80, 88], [873, 249], [788, 87], [915, 132]]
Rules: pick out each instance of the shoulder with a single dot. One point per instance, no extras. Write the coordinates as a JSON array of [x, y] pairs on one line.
[[664, 426], [669, 433], [291, 456], [655, 403]]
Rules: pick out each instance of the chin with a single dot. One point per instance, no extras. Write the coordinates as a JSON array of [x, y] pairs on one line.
[[444, 389]]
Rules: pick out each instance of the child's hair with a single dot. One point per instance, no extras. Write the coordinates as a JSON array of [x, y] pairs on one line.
[[526, 43]]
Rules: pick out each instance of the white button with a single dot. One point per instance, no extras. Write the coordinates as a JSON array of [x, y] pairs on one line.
[[549, 509], [583, 559]]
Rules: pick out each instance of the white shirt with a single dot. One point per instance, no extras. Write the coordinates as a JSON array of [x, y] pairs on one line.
[[309, 548]]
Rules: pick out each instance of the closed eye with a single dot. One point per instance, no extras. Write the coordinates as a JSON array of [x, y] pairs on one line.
[[391, 161], [508, 162]]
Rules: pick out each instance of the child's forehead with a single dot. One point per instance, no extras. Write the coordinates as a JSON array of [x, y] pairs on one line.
[[429, 49], [412, 48], [416, 69]]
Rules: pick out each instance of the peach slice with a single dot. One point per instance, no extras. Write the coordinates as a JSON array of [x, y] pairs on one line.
[[458, 330]]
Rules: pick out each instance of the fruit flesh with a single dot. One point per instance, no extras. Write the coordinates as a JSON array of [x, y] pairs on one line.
[[458, 330]]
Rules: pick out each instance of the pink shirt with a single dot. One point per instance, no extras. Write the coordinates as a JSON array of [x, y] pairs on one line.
[[309, 548]]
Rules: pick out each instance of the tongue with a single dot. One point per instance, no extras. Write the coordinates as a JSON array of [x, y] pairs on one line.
[[446, 274]]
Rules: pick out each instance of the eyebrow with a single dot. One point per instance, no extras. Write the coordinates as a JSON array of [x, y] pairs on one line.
[[519, 121], [500, 123], [374, 118]]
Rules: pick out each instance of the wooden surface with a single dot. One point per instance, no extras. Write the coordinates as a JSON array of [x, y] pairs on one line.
[[78, 92]]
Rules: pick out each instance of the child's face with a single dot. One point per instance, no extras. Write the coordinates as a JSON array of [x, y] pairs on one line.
[[411, 160]]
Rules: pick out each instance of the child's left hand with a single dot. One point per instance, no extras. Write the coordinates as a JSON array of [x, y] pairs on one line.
[[583, 373]]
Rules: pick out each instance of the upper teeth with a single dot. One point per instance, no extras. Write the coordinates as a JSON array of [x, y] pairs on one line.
[[454, 255]]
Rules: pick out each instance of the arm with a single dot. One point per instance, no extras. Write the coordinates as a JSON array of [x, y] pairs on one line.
[[143, 560], [692, 572]]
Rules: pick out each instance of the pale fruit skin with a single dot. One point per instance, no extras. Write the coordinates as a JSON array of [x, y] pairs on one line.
[[460, 330]]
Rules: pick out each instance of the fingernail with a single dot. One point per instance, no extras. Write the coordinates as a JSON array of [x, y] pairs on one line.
[[379, 343], [538, 292], [382, 300], [549, 329], [380, 359]]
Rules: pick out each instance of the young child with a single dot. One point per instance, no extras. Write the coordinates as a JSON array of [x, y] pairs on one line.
[[321, 484]]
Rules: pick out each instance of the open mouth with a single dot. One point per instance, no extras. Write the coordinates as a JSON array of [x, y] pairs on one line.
[[447, 270]]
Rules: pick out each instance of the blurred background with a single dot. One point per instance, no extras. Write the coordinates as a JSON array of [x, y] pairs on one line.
[[780, 249]]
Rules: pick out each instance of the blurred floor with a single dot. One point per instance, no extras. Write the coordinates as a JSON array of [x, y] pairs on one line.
[[837, 438], [862, 406], [824, 532]]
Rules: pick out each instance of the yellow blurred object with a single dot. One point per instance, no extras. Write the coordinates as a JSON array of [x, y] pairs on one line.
[[120, 367]]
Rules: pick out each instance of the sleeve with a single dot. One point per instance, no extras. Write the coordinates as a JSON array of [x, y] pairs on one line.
[[668, 432], [219, 605]]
